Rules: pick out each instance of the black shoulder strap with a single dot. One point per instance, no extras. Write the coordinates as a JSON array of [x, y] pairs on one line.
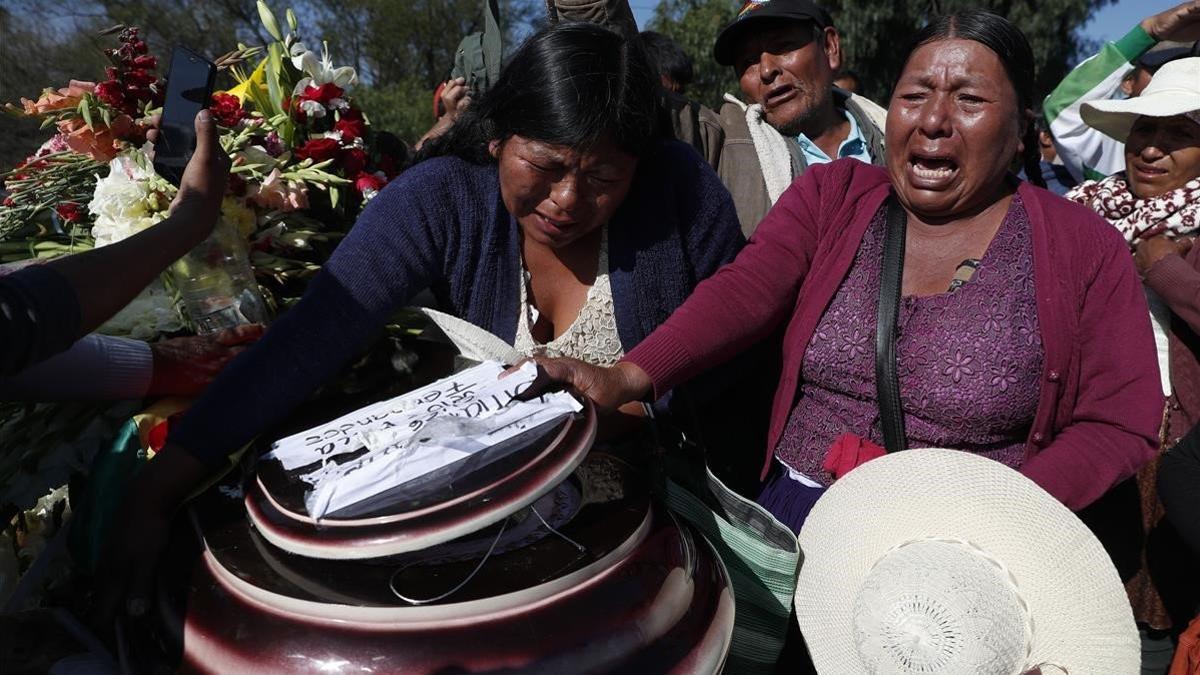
[[887, 382], [697, 140]]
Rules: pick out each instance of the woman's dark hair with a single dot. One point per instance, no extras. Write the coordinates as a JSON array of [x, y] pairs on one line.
[[1009, 44], [569, 84], [668, 57]]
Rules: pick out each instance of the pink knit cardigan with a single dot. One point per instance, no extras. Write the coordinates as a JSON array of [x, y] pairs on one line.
[[1100, 404]]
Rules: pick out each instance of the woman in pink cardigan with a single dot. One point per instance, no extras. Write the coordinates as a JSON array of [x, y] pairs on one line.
[[1021, 331]]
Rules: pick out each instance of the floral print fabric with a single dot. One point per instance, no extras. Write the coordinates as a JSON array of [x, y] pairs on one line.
[[969, 360], [1176, 213]]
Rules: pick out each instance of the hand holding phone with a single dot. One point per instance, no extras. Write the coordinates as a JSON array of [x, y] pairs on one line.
[[189, 89], [202, 187]]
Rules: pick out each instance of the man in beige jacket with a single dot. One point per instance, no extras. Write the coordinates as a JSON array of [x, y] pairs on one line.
[[785, 54]]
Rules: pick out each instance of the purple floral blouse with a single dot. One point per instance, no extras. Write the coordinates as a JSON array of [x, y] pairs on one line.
[[969, 359]]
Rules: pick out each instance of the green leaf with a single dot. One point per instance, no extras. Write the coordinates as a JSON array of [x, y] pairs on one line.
[[242, 168], [106, 116], [262, 101], [291, 19], [333, 197], [274, 68], [268, 20], [86, 111], [287, 132]]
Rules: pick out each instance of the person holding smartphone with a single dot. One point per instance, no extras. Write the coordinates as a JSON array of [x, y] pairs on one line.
[[45, 309]]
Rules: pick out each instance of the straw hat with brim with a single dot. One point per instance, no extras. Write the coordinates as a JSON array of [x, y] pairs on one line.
[[1175, 90], [940, 561]]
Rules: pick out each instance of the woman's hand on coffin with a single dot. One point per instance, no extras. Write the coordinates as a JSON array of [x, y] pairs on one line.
[[608, 388]]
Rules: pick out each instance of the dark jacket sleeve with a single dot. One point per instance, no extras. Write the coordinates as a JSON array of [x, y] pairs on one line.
[[745, 301], [39, 317], [1177, 282], [1179, 487], [726, 409], [394, 250], [95, 368], [711, 243]]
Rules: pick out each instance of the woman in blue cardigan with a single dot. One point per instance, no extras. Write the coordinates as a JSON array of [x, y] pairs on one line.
[[554, 214]]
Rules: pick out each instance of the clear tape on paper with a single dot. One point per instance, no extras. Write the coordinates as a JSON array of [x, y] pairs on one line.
[[434, 434]]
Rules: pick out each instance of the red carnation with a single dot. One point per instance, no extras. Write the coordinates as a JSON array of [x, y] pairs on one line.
[[353, 161], [368, 182], [140, 77], [69, 211], [323, 94], [351, 124], [227, 110], [293, 105], [110, 92], [318, 150]]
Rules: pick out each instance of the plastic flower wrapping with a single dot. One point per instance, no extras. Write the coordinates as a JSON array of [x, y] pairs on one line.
[[304, 161]]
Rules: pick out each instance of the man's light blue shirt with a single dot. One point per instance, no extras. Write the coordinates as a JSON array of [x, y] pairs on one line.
[[854, 146]]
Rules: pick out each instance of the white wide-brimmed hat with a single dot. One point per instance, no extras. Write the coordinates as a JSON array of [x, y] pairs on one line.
[[1174, 90], [940, 561]]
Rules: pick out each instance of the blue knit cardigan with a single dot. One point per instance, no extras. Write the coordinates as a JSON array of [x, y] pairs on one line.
[[442, 225]]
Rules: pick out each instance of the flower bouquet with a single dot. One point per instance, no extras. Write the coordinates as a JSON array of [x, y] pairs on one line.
[[304, 161]]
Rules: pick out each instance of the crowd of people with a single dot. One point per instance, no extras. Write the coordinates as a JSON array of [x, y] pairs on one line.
[[965, 267]]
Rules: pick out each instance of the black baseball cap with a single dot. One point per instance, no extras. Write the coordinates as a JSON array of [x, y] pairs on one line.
[[756, 12], [1165, 52]]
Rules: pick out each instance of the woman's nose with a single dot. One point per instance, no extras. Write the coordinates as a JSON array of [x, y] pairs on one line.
[[565, 193], [1151, 152], [935, 117], [1155, 146]]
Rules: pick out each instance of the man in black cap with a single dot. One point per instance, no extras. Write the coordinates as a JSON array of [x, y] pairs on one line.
[[1122, 68], [785, 54]]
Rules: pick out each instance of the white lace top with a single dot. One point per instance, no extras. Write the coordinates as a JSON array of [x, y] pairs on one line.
[[592, 337]]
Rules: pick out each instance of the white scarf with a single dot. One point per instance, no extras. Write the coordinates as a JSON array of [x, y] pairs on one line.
[[771, 147]]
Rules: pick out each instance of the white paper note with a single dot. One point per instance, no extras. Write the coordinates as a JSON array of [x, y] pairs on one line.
[[430, 429], [470, 391]]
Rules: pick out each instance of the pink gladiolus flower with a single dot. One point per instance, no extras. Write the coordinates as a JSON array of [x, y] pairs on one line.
[[279, 194], [101, 143], [51, 100]]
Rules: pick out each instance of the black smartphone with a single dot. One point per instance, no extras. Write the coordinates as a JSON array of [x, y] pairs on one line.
[[189, 88]]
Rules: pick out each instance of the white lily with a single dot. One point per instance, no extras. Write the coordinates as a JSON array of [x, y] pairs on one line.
[[319, 70], [312, 108]]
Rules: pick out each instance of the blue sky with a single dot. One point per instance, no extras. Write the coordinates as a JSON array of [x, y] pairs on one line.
[[1109, 23]]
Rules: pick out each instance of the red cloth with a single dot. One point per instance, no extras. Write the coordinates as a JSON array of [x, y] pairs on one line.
[[849, 452], [1100, 403], [1187, 653]]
